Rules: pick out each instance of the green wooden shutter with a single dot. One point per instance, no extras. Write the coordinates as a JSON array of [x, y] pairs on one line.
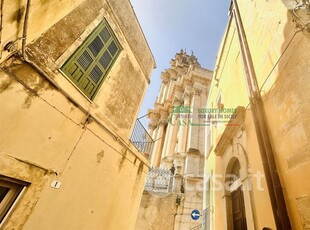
[[90, 63]]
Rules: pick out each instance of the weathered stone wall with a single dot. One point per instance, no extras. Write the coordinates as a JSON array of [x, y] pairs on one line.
[[192, 200], [52, 44], [156, 213]]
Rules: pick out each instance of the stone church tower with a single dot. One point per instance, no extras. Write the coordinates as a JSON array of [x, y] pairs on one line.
[[179, 134]]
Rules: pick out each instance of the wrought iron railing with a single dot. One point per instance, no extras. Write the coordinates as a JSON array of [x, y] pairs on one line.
[[159, 180], [141, 139]]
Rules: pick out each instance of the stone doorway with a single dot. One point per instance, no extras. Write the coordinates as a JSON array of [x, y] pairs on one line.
[[235, 208], [238, 210]]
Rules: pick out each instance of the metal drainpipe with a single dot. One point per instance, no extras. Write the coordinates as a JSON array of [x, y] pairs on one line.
[[25, 27], [222, 49], [1, 23], [267, 154]]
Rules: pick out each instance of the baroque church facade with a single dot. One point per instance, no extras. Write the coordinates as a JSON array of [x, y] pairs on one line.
[[178, 135]]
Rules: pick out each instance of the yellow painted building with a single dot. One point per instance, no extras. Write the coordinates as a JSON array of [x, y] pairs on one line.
[[237, 195], [72, 78]]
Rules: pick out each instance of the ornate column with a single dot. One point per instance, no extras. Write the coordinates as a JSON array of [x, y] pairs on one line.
[[152, 126], [163, 97], [193, 132], [171, 136], [173, 129], [163, 88], [153, 123], [157, 150], [160, 92], [181, 148], [166, 141]]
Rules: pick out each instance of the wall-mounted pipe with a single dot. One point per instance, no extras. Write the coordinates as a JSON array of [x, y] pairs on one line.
[[25, 27], [219, 59], [1, 26]]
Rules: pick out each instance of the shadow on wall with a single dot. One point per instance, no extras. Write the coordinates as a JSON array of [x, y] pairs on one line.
[[287, 107]]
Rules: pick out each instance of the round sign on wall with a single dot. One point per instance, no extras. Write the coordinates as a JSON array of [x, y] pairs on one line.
[[195, 214]]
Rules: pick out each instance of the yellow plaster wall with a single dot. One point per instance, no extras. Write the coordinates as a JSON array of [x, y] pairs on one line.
[[270, 29], [44, 125], [99, 174]]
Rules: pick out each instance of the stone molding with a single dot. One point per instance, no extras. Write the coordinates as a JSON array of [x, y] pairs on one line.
[[230, 131], [177, 101], [187, 95], [197, 92], [164, 77], [163, 120], [152, 125]]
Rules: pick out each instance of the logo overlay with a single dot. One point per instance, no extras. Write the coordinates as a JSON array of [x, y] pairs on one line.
[[186, 115]]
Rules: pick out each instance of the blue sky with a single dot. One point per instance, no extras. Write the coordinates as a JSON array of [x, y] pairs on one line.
[[171, 25]]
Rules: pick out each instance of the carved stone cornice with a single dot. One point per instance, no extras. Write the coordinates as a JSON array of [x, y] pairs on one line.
[[187, 95], [163, 120], [173, 73], [164, 77], [152, 125], [198, 88], [197, 91], [177, 89], [230, 131], [153, 116], [176, 101]]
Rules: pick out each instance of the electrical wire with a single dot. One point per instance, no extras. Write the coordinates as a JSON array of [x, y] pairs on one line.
[[72, 151], [279, 59], [58, 110]]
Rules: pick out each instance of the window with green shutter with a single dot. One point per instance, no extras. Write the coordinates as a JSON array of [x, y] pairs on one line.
[[90, 63]]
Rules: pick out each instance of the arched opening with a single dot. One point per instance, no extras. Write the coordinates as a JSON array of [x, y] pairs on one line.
[[236, 216]]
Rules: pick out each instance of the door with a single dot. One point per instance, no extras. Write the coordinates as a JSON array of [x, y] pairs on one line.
[[239, 220]]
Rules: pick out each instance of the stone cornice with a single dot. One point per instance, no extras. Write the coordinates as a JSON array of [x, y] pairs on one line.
[[177, 89], [163, 120], [187, 94], [230, 131], [173, 73], [153, 114], [203, 78], [197, 91], [198, 88], [164, 77], [152, 125], [176, 101], [133, 33]]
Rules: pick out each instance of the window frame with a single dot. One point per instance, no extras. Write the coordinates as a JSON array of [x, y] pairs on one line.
[[7, 205], [85, 47]]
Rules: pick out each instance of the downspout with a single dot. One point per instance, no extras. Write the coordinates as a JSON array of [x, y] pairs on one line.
[[267, 154], [222, 50], [25, 27], [1, 23]]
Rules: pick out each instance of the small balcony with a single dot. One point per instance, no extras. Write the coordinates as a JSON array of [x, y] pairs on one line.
[[141, 139], [159, 181]]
